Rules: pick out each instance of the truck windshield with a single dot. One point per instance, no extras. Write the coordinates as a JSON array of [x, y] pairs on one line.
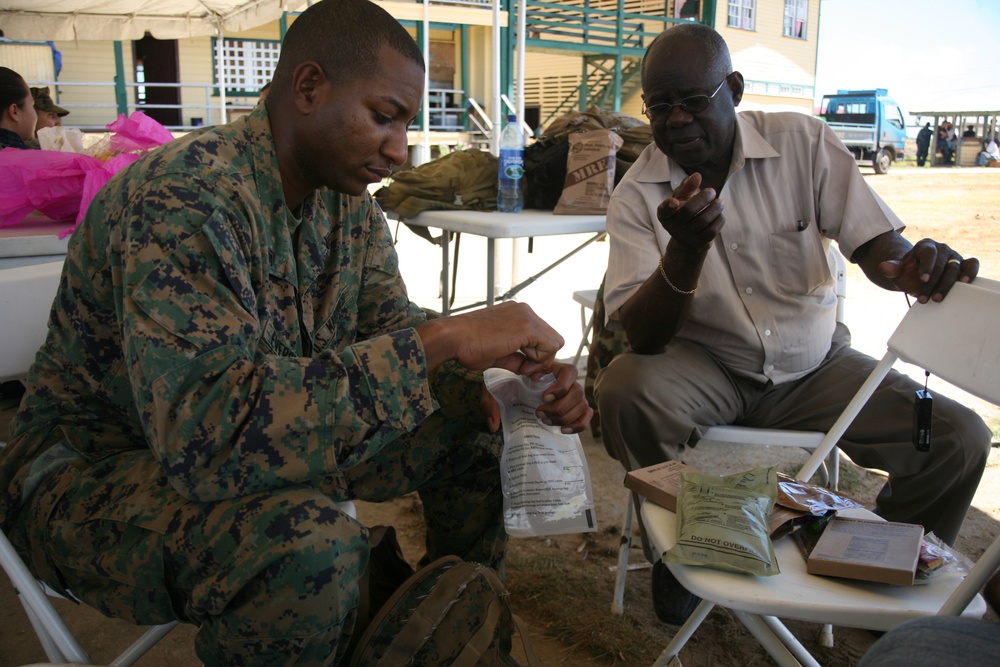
[[848, 110]]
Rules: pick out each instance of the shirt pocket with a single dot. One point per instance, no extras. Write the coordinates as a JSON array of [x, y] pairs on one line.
[[799, 261], [339, 327]]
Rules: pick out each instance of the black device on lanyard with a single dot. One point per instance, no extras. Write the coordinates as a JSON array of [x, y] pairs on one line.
[[922, 412]]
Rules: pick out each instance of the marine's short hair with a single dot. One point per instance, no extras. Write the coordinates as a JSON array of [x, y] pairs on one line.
[[345, 37]]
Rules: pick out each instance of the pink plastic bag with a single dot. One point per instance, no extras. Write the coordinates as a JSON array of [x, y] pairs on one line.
[[62, 185], [46, 181], [138, 132]]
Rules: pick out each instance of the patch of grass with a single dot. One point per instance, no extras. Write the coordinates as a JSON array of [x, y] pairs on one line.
[[574, 596], [994, 424], [850, 477]]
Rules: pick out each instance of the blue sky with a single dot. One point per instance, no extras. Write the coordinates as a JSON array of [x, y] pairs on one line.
[[930, 54]]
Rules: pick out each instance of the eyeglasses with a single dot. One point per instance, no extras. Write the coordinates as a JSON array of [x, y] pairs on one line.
[[693, 104]]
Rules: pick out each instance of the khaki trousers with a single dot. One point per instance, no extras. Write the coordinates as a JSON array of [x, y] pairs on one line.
[[651, 406]]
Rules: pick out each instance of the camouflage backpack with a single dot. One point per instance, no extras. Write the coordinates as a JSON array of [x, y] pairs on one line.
[[450, 613]]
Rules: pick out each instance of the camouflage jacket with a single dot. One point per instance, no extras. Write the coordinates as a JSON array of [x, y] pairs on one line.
[[198, 318]]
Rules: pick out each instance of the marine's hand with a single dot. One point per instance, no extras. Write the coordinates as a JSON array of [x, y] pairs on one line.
[[929, 269], [488, 404], [693, 217], [565, 404], [508, 335]]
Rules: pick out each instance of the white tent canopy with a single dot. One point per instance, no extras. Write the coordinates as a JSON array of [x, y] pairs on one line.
[[126, 20]]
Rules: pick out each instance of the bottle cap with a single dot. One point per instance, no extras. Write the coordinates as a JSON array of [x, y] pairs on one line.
[[511, 118]]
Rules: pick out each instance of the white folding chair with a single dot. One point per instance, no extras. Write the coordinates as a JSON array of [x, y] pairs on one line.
[[58, 642], [954, 340], [745, 435], [26, 294]]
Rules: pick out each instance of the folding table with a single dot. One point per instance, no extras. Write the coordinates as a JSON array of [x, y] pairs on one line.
[[35, 240], [495, 225]]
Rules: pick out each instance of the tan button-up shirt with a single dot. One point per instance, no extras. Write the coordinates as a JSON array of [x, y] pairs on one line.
[[765, 304]]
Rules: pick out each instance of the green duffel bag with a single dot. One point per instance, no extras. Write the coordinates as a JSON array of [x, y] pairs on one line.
[[449, 614]]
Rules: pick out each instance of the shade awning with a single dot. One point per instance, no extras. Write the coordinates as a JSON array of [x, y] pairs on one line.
[[72, 20]]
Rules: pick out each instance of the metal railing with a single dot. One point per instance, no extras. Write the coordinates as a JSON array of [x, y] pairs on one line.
[[209, 110], [447, 111], [584, 25]]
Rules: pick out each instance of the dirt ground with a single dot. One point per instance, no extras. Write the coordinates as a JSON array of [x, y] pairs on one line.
[[562, 586]]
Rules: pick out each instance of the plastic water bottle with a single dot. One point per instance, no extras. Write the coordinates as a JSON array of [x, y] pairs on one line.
[[510, 193]]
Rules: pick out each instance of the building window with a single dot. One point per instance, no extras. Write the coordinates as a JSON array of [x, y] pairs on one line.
[[742, 14], [796, 13], [248, 63]]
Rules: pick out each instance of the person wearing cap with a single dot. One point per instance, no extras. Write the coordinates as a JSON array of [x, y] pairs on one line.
[[49, 113]]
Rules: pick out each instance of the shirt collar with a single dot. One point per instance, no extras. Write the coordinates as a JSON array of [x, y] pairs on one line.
[[749, 145], [292, 239]]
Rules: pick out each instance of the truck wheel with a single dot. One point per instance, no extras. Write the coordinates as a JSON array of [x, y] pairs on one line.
[[882, 161]]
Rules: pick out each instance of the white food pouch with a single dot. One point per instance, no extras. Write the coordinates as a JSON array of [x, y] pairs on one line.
[[543, 472]]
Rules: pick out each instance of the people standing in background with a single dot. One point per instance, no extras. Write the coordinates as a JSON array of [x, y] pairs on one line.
[[17, 112], [952, 137], [945, 137], [49, 113], [969, 132], [923, 143]]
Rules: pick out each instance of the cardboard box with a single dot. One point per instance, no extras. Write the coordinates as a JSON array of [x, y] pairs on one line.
[[869, 550], [660, 483]]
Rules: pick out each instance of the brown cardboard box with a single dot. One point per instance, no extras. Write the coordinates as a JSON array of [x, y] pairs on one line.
[[660, 483], [869, 550]]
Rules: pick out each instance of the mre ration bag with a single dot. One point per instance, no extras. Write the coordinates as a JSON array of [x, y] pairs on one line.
[[590, 172], [722, 522]]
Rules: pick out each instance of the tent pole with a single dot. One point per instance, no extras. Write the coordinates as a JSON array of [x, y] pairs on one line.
[[497, 111], [220, 66], [519, 89], [424, 154]]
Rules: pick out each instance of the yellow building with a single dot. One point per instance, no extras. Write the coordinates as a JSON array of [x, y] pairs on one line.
[[577, 53]]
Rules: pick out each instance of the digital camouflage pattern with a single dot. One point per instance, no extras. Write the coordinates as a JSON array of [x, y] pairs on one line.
[[218, 371], [605, 345]]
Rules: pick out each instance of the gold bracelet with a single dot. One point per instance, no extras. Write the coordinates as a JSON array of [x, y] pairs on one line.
[[672, 286]]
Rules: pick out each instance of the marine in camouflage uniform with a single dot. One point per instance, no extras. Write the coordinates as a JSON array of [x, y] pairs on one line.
[[217, 373]]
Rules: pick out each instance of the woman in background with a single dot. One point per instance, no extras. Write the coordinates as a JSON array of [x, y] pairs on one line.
[[17, 111]]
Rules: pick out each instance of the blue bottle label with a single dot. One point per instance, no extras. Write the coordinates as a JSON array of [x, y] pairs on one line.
[[512, 164]]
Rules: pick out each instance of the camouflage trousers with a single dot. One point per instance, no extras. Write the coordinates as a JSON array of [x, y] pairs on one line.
[[271, 578]]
